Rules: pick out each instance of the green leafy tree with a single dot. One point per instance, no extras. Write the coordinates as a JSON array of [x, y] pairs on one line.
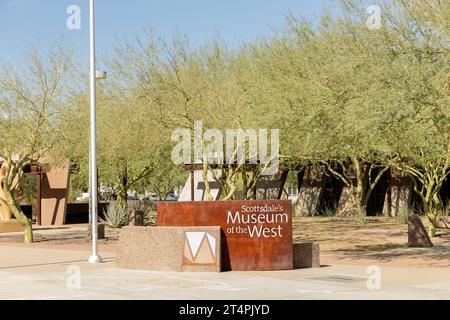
[[31, 100]]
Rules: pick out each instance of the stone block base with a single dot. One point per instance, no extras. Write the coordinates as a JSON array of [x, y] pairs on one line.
[[10, 226], [306, 255], [179, 249]]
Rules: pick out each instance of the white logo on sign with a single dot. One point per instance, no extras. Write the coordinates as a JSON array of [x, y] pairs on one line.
[[195, 240], [212, 243]]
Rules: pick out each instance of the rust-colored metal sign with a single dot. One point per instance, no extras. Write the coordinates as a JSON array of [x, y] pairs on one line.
[[257, 235]]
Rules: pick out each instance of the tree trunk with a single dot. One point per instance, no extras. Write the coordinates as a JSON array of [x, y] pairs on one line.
[[359, 192], [20, 216], [432, 216], [432, 205], [432, 227], [352, 199], [207, 196], [361, 207], [122, 195]]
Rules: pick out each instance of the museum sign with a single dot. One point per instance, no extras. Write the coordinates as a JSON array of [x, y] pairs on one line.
[[257, 235]]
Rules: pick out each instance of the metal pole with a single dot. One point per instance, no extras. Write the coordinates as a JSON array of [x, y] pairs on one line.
[[95, 258]]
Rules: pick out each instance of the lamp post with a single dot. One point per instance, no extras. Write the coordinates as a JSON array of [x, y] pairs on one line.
[[95, 257]]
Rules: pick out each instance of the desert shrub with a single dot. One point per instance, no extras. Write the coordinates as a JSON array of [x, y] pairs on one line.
[[115, 216], [149, 209]]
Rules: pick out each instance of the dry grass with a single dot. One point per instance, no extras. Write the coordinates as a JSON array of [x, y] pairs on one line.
[[380, 240], [342, 234]]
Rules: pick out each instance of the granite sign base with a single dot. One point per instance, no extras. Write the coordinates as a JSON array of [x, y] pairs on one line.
[[177, 249], [10, 226], [306, 255]]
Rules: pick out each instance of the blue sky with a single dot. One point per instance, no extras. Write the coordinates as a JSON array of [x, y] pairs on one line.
[[39, 23]]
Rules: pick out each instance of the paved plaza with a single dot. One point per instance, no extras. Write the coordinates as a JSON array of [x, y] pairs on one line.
[[28, 272]]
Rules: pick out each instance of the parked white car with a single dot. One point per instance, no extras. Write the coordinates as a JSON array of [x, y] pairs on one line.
[[83, 198]]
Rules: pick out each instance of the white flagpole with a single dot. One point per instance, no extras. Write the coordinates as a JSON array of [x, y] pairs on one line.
[[95, 258]]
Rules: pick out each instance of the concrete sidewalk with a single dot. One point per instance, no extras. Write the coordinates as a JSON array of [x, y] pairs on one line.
[[37, 273]]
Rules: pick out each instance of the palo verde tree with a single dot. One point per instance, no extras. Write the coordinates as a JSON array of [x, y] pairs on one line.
[[423, 120], [338, 92], [210, 85], [166, 178], [127, 146], [31, 99], [318, 83], [131, 136]]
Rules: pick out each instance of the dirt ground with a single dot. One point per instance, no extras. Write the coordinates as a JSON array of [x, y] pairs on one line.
[[379, 241], [72, 237], [342, 241]]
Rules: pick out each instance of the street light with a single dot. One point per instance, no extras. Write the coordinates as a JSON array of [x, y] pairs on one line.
[[95, 257], [100, 75]]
